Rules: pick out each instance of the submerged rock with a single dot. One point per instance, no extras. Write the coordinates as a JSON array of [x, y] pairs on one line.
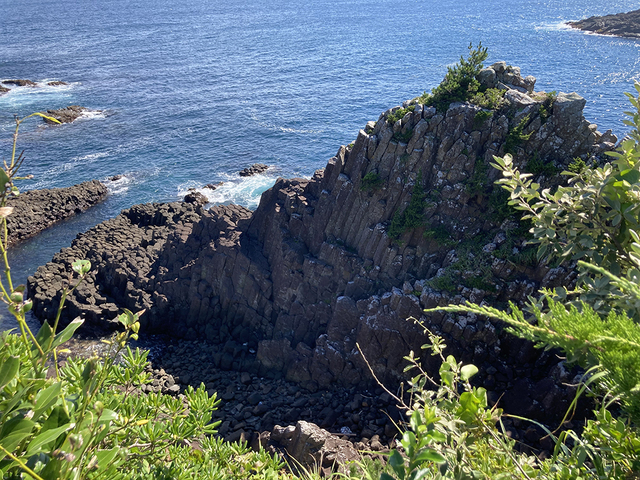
[[620, 24], [57, 83], [36, 210]]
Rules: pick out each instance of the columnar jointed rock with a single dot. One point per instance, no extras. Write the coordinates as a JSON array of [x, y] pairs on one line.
[[621, 24], [36, 210], [313, 273]]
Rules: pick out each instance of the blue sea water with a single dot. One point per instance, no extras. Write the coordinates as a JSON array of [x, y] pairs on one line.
[[191, 92]]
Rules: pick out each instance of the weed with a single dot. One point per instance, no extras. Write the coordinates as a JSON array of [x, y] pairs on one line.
[[443, 283]]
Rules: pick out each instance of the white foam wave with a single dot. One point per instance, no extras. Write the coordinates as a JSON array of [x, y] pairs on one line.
[[556, 26], [91, 157], [245, 191], [92, 115], [281, 128], [120, 185]]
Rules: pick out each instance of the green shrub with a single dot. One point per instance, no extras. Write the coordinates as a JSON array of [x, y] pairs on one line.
[[577, 166], [515, 137], [537, 166], [478, 182], [491, 98], [403, 137], [480, 118], [371, 182], [460, 83], [399, 114], [546, 109], [413, 216]]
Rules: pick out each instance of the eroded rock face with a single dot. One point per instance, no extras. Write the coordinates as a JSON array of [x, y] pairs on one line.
[[37, 210], [312, 277], [621, 24]]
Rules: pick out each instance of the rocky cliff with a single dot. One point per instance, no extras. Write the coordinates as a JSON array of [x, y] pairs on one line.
[[620, 24], [403, 219]]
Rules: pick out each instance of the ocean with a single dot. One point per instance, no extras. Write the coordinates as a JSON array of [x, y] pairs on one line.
[[191, 92]]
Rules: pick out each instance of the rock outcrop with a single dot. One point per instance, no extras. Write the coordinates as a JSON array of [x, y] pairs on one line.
[[36, 210], [254, 169], [621, 24], [67, 114], [20, 83], [4, 90], [330, 268]]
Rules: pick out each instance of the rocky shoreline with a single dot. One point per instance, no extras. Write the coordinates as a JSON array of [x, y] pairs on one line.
[[299, 290], [620, 25], [36, 210]]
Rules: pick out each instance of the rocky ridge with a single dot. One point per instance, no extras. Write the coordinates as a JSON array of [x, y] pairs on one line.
[[291, 290], [620, 24], [36, 210]]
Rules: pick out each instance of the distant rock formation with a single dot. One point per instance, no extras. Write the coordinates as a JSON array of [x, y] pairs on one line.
[[67, 114], [327, 264], [57, 83], [254, 169], [20, 83], [621, 24], [36, 210]]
